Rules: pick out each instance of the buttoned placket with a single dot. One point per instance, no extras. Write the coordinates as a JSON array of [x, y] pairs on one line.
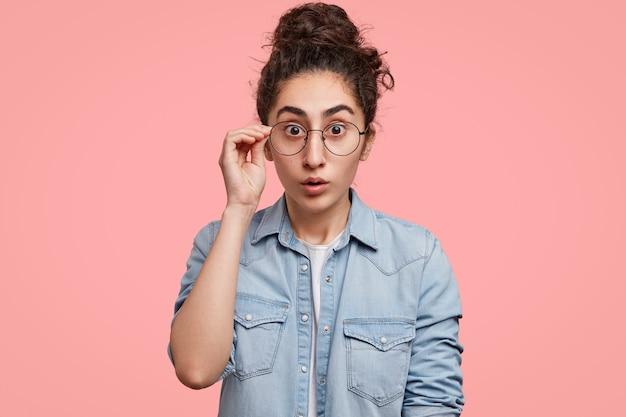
[[324, 338], [305, 330]]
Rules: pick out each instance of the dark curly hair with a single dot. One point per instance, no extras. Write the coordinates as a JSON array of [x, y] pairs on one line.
[[321, 37]]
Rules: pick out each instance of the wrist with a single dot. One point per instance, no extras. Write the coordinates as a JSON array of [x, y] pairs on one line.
[[240, 213]]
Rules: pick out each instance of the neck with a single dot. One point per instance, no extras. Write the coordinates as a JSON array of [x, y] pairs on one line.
[[318, 228]]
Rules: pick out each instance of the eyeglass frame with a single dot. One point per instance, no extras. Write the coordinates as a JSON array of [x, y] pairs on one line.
[[306, 138]]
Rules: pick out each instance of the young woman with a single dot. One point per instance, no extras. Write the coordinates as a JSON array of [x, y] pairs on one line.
[[339, 310]]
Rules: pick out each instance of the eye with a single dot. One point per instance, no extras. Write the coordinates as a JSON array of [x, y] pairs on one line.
[[293, 130], [336, 129]]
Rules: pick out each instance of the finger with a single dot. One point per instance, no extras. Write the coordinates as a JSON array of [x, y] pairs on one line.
[[257, 154], [248, 135], [252, 131]]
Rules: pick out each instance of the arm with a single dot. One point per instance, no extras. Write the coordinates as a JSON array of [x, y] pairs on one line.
[[434, 385], [202, 332]]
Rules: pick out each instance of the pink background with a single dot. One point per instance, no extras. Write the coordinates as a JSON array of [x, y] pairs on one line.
[[505, 136]]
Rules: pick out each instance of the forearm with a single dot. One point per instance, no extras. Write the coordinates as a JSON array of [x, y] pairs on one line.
[[202, 332], [435, 381]]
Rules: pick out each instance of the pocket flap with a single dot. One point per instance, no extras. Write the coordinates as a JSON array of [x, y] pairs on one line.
[[251, 310], [383, 334]]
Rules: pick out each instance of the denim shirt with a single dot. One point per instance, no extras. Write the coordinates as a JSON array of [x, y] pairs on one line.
[[388, 330]]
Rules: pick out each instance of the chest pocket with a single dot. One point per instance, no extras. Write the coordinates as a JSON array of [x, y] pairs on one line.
[[378, 355], [259, 324]]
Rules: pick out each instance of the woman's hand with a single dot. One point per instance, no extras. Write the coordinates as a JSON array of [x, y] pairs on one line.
[[244, 177]]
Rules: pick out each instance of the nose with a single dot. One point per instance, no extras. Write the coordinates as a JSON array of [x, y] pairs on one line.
[[314, 154]]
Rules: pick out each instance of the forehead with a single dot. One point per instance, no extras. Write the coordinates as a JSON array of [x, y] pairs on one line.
[[314, 94]]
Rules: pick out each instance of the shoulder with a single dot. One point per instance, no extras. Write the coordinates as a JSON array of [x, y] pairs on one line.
[[393, 232], [387, 221], [393, 243]]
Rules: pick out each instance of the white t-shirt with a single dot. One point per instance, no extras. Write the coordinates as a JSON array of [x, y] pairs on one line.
[[318, 254]]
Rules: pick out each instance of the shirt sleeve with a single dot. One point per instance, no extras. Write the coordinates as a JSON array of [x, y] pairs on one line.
[[434, 384], [201, 245]]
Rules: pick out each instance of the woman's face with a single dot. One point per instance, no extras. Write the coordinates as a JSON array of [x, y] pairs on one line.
[[316, 181]]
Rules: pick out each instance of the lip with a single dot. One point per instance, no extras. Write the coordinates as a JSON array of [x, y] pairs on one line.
[[314, 185]]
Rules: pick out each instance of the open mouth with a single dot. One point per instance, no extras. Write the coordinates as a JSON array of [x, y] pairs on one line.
[[314, 181], [314, 186]]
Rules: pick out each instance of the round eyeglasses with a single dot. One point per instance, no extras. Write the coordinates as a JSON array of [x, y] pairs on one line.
[[340, 138]]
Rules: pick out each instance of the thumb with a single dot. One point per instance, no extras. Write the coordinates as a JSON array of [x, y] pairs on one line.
[[257, 154]]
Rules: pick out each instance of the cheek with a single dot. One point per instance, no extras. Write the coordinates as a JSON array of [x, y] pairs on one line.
[[350, 167], [284, 168]]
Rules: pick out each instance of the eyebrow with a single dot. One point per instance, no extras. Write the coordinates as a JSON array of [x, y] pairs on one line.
[[327, 113]]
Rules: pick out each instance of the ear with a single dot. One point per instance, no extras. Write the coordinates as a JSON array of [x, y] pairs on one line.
[[370, 136], [268, 151]]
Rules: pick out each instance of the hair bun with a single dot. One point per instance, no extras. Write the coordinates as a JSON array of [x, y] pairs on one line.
[[316, 24]]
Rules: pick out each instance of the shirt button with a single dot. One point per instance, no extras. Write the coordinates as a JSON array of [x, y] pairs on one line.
[[383, 340], [305, 268], [305, 317], [326, 329], [248, 317], [304, 369], [322, 380], [328, 279]]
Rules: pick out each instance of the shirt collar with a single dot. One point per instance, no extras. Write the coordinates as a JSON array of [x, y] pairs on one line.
[[361, 224]]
